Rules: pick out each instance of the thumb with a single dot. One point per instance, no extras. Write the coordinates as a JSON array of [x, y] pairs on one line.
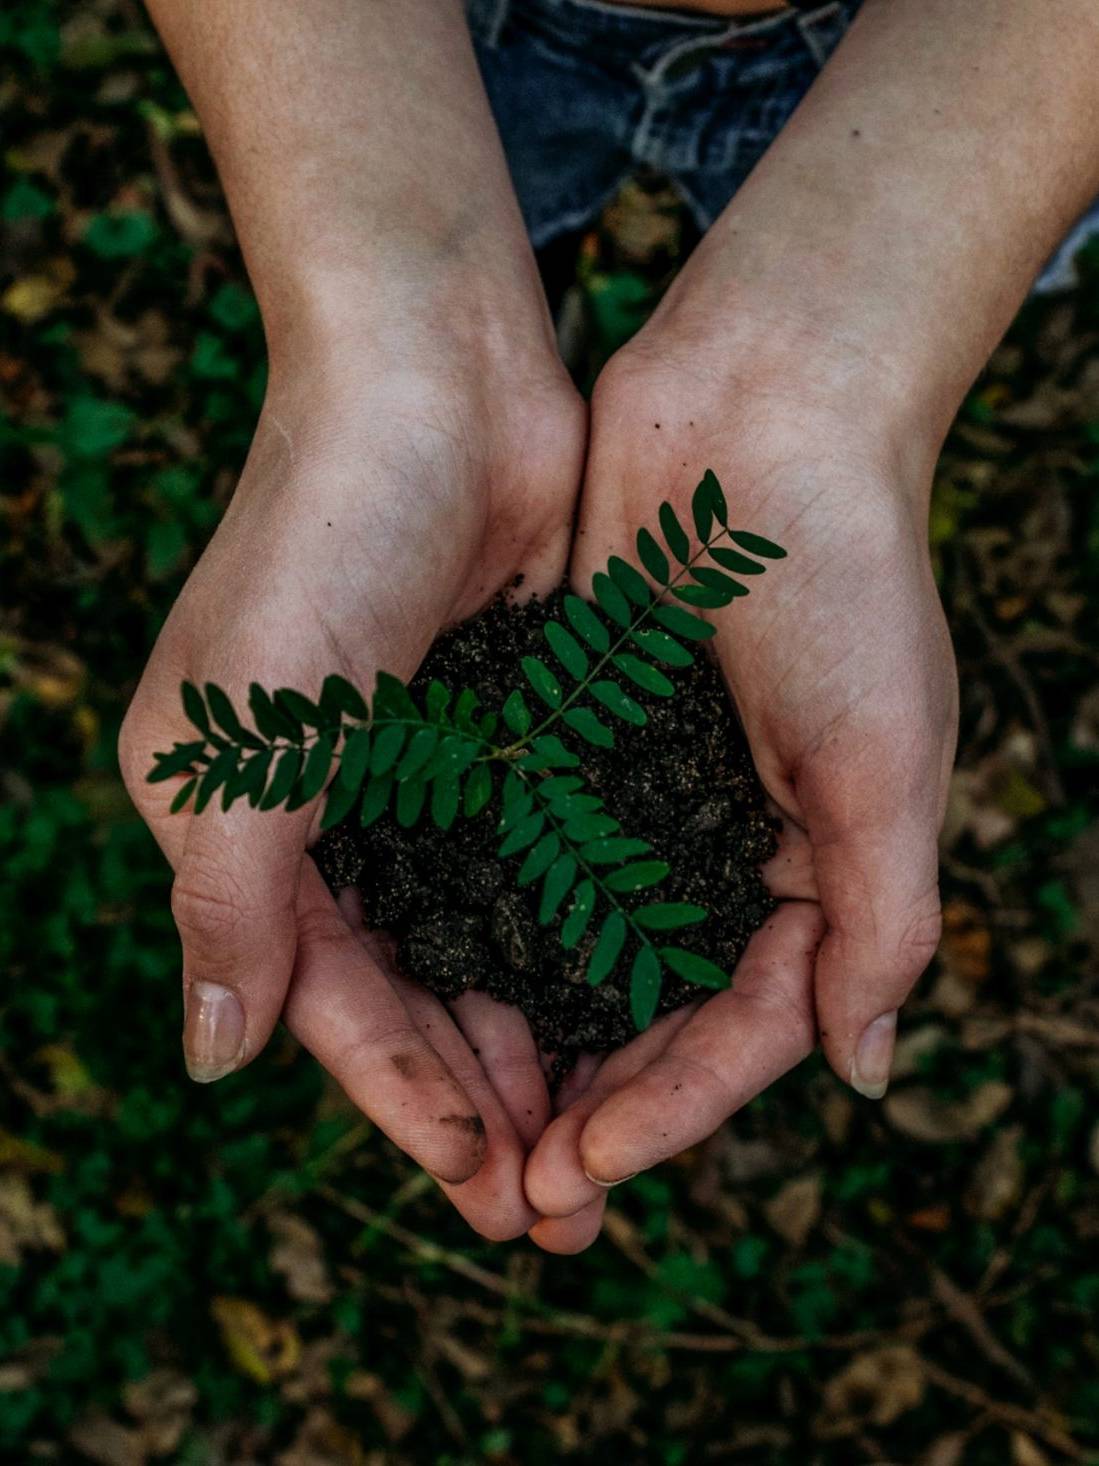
[[879, 891], [233, 901]]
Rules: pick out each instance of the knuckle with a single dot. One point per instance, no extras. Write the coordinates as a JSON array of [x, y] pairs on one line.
[[920, 936], [207, 904]]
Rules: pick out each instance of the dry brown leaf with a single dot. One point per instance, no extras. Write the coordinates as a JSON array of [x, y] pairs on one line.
[[966, 942], [261, 1347], [25, 1223], [997, 1181], [162, 1403], [1025, 1453], [794, 1210], [322, 1441], [921, 1114], [104, 1440], [876, 1388], [297, 1254], [913, 1046], [948, 1450]]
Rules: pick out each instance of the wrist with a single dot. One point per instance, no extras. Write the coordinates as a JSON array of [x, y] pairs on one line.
[[820, 356]]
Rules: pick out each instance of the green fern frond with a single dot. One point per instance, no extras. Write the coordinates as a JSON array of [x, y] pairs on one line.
[[438, 761]]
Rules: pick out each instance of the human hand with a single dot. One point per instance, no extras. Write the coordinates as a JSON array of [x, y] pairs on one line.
[[841, 667], [373, 509]]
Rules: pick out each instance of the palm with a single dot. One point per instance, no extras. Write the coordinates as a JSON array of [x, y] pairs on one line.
[[840, 668]]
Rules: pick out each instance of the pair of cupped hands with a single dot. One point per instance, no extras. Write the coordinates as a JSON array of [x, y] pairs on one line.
[[387, 495]]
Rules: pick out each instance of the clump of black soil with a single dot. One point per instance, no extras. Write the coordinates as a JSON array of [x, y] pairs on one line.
[[685, 782]]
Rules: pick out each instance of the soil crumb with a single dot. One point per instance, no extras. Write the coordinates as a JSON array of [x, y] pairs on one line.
[[685, 782]]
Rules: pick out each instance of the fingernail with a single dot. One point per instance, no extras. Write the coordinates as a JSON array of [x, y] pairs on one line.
[[874, 1056], [213, 1031], [606, 1185]]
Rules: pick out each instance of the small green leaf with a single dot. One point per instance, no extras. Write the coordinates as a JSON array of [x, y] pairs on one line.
[[580, 912], [644, 987], [693, 968], [560, 784], [215, 776], [629, 581], [341, 798], [612, 850], [715, 497], [478, 790], [539, 859], [608, 948], [556, 886], [755, 544], [543, 681], [183, 794], [271, 721], [592, 729], [701, 512], [297, 706], [618, 702], [568, 806], [354, 760], [388, 742], [248, 780], [516, 808], [586, 623], [611, 600], [591, 827], [734, 560], [285, 776], [179, 760], [445, 797], [550, 753], [410, 802], [667, 916], [682, 623], [525, 833], [392, 698], [338, 696], [375, 799], [653, 557], [452, 757], [223, 712], [314, 775], [464, 709], [567, 650], [421, 746], [517, 714], [194, 705], [675, 536], [635, 877], [663, 648], [436, 700], [649, 679], [701, 595], [718, 580]]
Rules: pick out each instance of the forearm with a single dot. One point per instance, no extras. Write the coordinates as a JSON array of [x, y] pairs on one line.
[[361, 165], [892, 230]]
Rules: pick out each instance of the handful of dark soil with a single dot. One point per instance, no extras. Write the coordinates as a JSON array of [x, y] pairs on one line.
[[684, 781]]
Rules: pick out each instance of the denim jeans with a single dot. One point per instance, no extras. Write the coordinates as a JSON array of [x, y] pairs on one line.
[[586, 92]]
